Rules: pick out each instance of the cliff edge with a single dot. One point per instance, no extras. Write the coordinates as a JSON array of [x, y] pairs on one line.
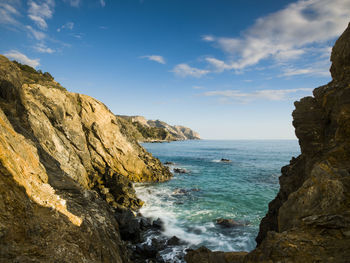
[[65, 168], [309, 220]]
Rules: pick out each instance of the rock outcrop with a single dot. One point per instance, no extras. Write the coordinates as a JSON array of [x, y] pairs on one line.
[[309, 220], [155, 130], [310, 217], [65, 165]]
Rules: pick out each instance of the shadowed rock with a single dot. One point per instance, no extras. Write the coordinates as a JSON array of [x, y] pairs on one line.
[[309, 220], [63, 157]]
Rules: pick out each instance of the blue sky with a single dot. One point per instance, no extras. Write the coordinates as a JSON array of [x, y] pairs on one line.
[[229, 69]]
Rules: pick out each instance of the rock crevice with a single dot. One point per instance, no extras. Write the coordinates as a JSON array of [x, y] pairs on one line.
[[65, 166], [309, 220]]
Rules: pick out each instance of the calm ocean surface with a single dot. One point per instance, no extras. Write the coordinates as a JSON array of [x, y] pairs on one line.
[[190, 203]]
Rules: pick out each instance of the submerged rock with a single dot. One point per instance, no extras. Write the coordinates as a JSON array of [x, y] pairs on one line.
[[228, 223], [169, 163], [180, 171], [180, 191]]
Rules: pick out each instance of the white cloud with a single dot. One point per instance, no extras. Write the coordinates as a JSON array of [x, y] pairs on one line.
[[208, 38], [155, 58], [8, 13], [219, 65], [68, 25], [20, 57], [74, 3], [184, 70], [272, 95], [103, 3], [40, 11], [285, 34], [288, 72], [38, 35], [42, 48]]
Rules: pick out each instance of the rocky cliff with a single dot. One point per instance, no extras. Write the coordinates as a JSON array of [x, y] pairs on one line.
[[309, 220], [65, 165], [155, 130]]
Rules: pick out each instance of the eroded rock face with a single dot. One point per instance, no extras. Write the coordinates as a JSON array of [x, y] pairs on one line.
[[310, 216], [46, 216], [62, 156], [309, 220]]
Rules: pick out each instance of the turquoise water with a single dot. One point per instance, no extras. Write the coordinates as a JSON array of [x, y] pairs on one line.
[[239, 190]]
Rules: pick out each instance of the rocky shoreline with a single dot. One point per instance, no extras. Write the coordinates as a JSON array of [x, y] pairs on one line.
[[309, 220], [68, 166]]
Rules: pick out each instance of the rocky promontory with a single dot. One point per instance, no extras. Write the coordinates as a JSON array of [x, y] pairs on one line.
[[157, 131], [66, 166], [309, 220]]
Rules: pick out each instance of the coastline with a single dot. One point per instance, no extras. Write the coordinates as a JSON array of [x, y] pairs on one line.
[[69, 165], [171, 200]]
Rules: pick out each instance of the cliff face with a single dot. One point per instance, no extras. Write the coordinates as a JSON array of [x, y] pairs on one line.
[[150, 130], [309, 220], [310, 216], [61, 154]]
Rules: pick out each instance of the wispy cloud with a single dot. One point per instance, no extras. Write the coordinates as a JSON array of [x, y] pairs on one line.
[[155, 58], [42, 48], [78, 35], [39, 11], [20, 57], [68, 25], [9, 13], [103, 3], [74, 3], [284, 35], [38, 35], [184, 70], [271, 95]]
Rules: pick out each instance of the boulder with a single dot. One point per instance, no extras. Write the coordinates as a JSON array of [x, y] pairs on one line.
[[205, 255], [174, 241], [158, 223], [227, 223]]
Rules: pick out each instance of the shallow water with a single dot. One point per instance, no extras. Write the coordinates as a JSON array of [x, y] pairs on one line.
[[240, 190]]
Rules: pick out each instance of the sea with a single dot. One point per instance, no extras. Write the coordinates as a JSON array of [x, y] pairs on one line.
[[190, 203]]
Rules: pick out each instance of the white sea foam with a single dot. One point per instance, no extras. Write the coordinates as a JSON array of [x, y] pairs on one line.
[[159, 203]]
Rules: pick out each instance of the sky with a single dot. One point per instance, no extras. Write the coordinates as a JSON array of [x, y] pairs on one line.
[[229, 69]]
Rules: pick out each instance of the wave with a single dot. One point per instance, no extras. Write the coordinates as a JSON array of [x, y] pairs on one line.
[[160, 202]]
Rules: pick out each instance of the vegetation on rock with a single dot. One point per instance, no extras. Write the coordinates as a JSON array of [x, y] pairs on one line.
[[148, 130]]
